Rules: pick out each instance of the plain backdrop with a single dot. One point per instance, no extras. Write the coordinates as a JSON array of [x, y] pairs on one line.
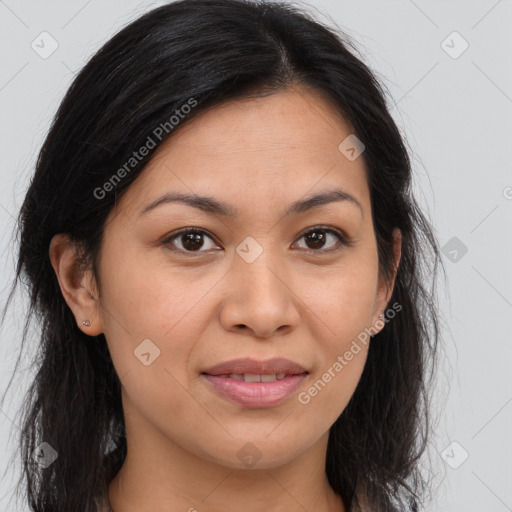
[[448, 68]]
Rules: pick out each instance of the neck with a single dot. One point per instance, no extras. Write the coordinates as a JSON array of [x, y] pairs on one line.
[[160, 475]]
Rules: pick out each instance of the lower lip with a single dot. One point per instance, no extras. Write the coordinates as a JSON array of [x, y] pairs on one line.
[[256, 394]]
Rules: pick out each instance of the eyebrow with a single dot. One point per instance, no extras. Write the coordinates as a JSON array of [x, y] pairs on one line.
[[212, 206]]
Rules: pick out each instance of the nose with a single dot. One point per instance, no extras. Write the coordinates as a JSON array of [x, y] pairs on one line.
[[259, 298]]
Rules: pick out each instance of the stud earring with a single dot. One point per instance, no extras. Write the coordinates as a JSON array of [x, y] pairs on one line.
[[86, 323], [381, 316]]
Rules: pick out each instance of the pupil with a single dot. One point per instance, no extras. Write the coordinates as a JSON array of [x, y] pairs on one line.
[[317, 239], [195, 238], [193, 241]]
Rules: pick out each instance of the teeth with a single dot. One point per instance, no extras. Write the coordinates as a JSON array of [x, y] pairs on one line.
[[250, 377]]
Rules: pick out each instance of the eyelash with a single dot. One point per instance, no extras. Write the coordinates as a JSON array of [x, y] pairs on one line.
[[344, 241]]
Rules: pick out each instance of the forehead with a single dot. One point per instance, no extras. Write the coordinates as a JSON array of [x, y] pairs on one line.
[[258, 149]]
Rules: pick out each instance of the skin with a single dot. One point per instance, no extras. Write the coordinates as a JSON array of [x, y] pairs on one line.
[[259, 156]]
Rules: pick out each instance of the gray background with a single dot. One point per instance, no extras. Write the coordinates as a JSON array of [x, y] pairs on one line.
[[455, 110]]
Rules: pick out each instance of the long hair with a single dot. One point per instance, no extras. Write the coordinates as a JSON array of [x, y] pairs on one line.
[[202, 53]]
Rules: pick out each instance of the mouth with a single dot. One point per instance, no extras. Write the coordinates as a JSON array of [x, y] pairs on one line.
[[256, 384], [253, 377]]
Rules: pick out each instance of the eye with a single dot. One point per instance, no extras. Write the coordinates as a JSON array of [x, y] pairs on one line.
[[318, 236], [190, 239]]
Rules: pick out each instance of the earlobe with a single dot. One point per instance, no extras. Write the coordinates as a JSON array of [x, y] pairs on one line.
[[74, 284]]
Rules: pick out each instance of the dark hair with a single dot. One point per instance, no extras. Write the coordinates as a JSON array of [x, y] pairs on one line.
[[206, 52]]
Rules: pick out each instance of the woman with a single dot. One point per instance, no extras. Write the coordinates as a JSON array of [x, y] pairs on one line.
[[222, 245]]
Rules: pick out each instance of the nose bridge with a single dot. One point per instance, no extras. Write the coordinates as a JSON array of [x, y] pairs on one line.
[[258, 296], [258, 267]]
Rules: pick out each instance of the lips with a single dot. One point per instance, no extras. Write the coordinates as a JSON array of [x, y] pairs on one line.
[[256, 384], [246, 366]]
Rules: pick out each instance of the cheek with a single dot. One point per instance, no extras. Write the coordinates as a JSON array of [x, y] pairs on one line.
[[150, 327], [330, 391], [146, 293], [341, 300], [341, 309], [142, 301], [343, 312]]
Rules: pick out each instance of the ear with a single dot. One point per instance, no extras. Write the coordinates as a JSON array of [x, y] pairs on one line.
[[385, 288], [77, 285]]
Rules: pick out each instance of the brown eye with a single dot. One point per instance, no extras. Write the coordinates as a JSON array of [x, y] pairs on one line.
[[317, 239], [188, 240], [193, 240]]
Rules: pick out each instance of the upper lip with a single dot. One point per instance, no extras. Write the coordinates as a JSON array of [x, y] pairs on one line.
[[254, 367]]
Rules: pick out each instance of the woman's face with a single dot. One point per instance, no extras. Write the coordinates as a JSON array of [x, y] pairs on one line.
[[252, 283]]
